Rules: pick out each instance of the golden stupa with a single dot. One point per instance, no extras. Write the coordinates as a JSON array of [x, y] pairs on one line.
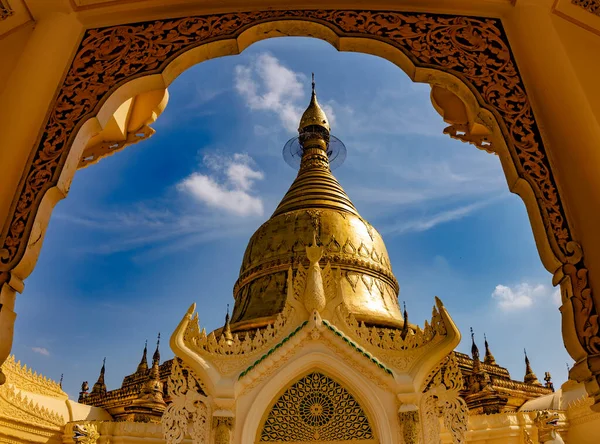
[[316, 206]]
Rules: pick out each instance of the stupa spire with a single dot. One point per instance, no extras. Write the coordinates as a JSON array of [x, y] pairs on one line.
[[100, 386], [474, 348], [314, 114], [530, 377], [489, 357], [315, 186], [143, 365], [156, 355], [404, 331], [226, 332]]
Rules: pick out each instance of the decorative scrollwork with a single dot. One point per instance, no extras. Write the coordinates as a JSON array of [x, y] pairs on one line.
[[409, 423], [188, 410], [316, 408], [473, 49], [443, 395]]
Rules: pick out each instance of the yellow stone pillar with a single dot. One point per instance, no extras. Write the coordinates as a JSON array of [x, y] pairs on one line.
[[29, 92], [572, 136], [23, 109]]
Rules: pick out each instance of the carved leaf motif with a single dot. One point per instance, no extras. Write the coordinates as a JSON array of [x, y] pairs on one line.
[[187, 408]]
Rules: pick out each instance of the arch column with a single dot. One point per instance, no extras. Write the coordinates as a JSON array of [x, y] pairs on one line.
[[572, 138], [472, 51]]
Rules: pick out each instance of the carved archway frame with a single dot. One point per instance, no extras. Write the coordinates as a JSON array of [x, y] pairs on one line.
[[468, 57]]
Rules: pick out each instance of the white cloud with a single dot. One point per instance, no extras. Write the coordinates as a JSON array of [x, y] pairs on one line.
[[41, 351], [524, 295], [428, 222], [267, 85], [232, 191]]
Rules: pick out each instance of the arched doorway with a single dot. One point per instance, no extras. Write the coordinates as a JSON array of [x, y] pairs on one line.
[[467, 61]]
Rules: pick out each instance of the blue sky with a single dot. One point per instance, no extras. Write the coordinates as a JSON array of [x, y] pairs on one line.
[[148, 231]]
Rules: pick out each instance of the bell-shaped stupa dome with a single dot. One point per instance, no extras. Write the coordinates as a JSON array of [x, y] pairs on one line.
[[316, 205]]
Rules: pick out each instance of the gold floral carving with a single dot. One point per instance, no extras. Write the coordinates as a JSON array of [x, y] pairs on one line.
[[210, 344], [592, 6], [222, 426], [5, 10], [409, 422], [316, 408], [474, 49], [26, 379], [391, 339], [188, 408], [443, 394]]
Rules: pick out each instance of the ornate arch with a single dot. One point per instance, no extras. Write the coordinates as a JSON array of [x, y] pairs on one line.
[[316, 408], [472, 49]]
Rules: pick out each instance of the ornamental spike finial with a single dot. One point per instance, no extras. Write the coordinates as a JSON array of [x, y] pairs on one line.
[[530, 377], [143, 365], [314, 116], [489, 357], [474, 349], [404, 331], [156, 356]]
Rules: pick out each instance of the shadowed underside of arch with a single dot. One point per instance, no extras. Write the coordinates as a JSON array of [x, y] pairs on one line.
[[474, 50]]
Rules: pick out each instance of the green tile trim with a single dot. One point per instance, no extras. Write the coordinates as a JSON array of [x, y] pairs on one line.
[[357, 347], [270, 352]]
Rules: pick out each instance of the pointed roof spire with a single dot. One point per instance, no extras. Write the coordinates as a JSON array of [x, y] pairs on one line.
[[100, 386], [156, 355], [143, 365], [314, 114], [404, 331], [226, 332], [61, 379], [474, 349], [530, 377], [489, 357], [548, 379]]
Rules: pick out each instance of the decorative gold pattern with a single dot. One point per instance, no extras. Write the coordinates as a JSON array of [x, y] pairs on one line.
[[444, 394], [17, 406], [5, 10], [30, 381], [473, 49], [316, 408], [409, 422], [188, 407], [592, 6], [223, 426]]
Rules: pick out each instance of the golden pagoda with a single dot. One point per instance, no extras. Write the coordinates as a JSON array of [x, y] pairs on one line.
[[317, 350], [316, 207]]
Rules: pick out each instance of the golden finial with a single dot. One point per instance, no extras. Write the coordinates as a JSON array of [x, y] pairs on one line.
[[489, 357], [314, 114], [530, 377], [226, 332], [404, 332], [474, 349]]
